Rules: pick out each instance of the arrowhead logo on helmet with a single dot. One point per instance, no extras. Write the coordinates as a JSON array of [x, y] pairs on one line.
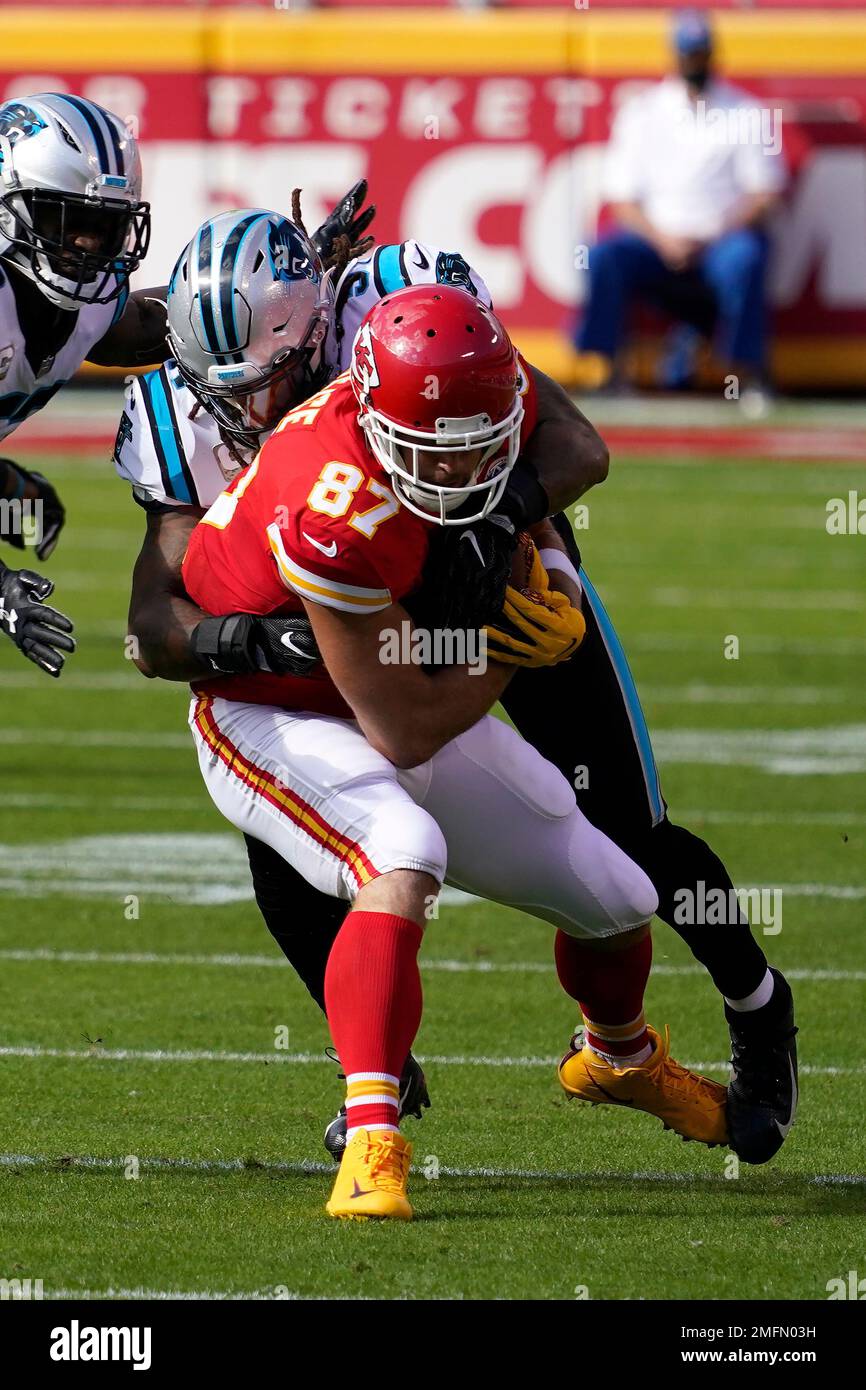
[[447, 448], [365, 375]]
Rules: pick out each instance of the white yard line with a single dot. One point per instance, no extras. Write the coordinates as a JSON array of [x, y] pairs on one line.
[[83, 682], [444, 966], [99, 1054], [66, 802], [47, 801], [698, 694], [823, 750], [94, 738], [311, 1167], [219, 893], [843, 819], [695, 693], [818, 599], [170, 1295], [752, 643]]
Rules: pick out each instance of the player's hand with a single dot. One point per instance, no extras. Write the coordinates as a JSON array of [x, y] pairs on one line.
[[36, 490], [466, 574], [241, 644], [285, 646], [346, 220], [43, 634], [537, 625]]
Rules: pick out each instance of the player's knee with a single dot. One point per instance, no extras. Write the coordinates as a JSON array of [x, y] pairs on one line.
[[640, 892], [628, 895], [405, 836]]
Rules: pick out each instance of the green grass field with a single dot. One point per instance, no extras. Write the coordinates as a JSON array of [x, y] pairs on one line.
[[151, 1037]]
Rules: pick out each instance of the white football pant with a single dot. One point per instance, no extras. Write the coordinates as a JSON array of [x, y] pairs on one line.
[[487, 814]]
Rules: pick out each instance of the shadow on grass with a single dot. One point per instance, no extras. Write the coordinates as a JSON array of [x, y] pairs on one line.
[[783, 1196], [474, 1193]]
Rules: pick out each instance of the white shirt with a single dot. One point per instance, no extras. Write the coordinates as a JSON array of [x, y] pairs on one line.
[[688, 163], [26, 387]]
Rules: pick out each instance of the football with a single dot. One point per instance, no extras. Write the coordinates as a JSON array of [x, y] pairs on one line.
[[521, 567]]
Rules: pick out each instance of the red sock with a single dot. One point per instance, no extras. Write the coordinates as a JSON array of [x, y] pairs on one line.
[[609, 986], [373, 1002]]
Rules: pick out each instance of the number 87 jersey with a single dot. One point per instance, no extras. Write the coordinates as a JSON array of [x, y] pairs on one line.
[[314, 518]]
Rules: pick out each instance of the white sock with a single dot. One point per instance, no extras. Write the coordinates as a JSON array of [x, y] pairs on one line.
[[757, 999], [620, 1063], [624, 1033]]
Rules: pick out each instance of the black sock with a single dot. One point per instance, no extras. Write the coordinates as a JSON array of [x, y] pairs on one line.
[[302, 921], [677, 860]]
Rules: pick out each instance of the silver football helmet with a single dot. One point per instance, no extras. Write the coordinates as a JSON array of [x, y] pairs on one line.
[[249, 309], [70, 187]]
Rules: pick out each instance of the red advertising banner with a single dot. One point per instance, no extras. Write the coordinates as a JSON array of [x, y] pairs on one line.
[[487, 155]]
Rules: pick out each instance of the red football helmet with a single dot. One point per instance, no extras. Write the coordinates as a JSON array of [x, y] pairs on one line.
[[433, 368]]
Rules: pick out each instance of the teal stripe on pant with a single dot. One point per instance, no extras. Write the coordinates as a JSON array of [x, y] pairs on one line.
[[629, 692]]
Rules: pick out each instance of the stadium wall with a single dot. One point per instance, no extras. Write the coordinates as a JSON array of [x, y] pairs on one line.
[[482, 131]]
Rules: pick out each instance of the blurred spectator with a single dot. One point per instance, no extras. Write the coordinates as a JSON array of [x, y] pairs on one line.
[[693, 169]]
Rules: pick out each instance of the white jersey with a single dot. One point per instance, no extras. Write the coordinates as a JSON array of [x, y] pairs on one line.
[[170, 448], [27, 384]]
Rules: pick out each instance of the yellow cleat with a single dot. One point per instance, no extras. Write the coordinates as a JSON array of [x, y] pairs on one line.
[[691, 1105], [371, 1180]]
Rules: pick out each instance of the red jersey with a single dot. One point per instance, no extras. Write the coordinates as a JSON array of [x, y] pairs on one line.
[[313, 516]]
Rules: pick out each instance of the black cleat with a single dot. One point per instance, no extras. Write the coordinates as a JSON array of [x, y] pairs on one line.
[[413, 1097], [762, 1093]]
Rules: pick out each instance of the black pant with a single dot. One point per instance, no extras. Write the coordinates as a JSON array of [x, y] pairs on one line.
[[583, 716]]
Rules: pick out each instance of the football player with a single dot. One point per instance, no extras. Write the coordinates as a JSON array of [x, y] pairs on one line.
[[619, 790], [72, 230], [609, 741], [190, 426], [360, 773]]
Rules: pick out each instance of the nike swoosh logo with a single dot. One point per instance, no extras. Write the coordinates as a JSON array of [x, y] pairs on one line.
[[287, 641], [359, 1191], [473, 541], [783, 1129], [329, 550], [422, 261]]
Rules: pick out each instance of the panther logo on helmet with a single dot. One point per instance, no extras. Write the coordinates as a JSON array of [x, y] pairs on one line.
[[452, 269], [289, 259], [17, 121]]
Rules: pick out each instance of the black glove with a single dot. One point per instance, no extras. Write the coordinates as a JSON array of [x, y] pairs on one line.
[[240, 644], [41, 633], [346, 220], [42, 500], [465, 575], [524, 500]]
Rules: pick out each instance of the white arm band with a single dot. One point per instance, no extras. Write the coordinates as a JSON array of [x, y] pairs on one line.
[[558, 560]]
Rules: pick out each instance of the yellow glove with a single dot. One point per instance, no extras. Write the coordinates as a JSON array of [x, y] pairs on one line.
[[537, 627]]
